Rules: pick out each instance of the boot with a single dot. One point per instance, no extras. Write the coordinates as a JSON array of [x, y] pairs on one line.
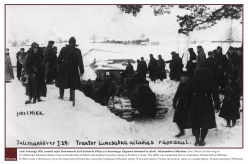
[[233, 123], [61, 94], [228, 123], [197, 136], [203, 136], [181, 133]]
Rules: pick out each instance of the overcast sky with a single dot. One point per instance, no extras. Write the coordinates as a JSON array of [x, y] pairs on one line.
[[82, 21]]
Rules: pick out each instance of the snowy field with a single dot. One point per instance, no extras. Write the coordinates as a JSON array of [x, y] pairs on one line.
[[89, 121]]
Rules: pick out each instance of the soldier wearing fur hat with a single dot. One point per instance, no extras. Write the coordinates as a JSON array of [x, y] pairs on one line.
[[35, 87], [71, 62], [181, 113], [49, 63], [201, 93]]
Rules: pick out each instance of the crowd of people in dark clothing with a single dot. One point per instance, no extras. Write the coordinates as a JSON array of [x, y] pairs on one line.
[[197, 97], [40, 66]]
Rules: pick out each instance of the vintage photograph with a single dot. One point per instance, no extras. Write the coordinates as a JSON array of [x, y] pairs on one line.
[[148, 76]]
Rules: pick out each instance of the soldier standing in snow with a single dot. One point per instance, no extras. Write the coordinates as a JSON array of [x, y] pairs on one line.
[[220, 62], [201, 57], [181, 113], [35, 87], [210, 62], [160, 69], [49, 63], [191, 64], [142, 68], [151, 67], [231, 103], [201, 93], [18, 64], [129, 69], [70, 59], [175, 66], [8, 67]]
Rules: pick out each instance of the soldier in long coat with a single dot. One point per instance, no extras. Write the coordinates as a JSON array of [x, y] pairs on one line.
[[49, 63], [231, 103], [191, 64], [142, 68], [151, 67], [70, 61], [35, 87], [8, 67], [181, 113], [160, 72], [210, 62], [129, 69], [220, 64], [201, 93], [18, 64]]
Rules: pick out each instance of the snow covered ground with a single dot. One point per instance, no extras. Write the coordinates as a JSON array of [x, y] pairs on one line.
[[89, 121]]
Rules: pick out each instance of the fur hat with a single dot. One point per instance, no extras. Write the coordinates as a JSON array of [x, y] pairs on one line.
[[173, 53], [230, 48], [50, 42], [34, 45], [219, 48], [22, 49], [72, 40]]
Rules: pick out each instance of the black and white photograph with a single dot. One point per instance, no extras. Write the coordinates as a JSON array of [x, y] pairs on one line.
[[124, 75]]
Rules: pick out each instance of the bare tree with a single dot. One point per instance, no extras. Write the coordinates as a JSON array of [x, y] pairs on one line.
[[93, 37], [231, 33], [143, 36]]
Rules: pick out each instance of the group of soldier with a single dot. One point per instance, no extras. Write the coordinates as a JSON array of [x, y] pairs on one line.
[[156, 68], [40, 66], [196, 99], [199, 89]]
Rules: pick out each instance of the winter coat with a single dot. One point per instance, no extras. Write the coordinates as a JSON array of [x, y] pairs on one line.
[[68, 77], [50, 63], [191, 64], [151, 67], [36, 86], [175, 68], [220, 59], [129, 69], [142, 68], [181, 113], [201, 58], [160, 72], [210, 64], [9, 74], [200, 91], [18, 64], [231, 103]]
